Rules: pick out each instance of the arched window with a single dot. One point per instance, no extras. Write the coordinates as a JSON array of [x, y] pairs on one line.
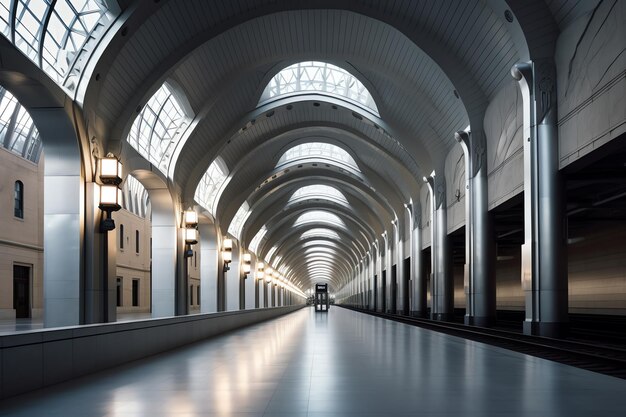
[[59, 36], [19, 200], [208, 190], [319, 77], [18, 133], [158, 128], [319, 216], [318, 191], [318, 150]]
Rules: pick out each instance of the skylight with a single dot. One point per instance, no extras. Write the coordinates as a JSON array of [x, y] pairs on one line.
[[207, 192], [54, 34], [319, 77], [320, 232], [320, 150], [156, 131], [319, 216], [237, 222], [256, 240], [18, 133], [270, 253], [318, 191]]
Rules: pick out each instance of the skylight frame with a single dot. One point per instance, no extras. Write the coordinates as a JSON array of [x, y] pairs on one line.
[[18, 133], [211, 185], [321, 150]]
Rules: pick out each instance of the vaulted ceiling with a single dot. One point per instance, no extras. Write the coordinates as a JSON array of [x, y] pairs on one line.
[[431, 68]]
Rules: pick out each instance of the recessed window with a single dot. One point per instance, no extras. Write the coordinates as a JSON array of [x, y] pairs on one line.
[[135, 293], [18, 210], [191, 295], [137, 241], [121, 236], [318, 191], [256, 240], [120, 291], [319, 216], [236, 224]]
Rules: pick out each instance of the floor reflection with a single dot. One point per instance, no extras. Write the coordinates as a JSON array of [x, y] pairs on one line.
[[339, 363]]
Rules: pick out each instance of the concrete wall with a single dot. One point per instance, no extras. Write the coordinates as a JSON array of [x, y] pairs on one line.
[[35, 359], [505, 146], [591, 76]]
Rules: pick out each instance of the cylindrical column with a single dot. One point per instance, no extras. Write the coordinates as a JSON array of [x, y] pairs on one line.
[[544, 263]]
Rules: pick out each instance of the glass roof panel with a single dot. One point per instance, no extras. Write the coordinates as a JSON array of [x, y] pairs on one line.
[[18, 133], [156, 130], [210, 186], [320, 77], [72, 29], [135, 197], [254, 243], [320, 232], [321, 150], [318, 191], [270, 253], [319, 216], [237, 223]]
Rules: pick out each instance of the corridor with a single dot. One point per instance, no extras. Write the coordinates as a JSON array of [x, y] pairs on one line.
[[340, 363]]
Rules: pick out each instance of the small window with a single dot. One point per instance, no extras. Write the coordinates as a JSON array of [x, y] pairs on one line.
[[136, 241], [191, 295], [198, 295], [19, 200], [195, 259], [121, 236], [135, 293], [119, 291]]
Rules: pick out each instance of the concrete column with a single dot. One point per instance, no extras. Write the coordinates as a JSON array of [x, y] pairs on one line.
[[182, 275], [418, 278], [479, 276], [63, 211], [544, 263], [164, 245], [250, 285], [442, 284], [208, 268], [232, 279], [99, 285], [399, 261]]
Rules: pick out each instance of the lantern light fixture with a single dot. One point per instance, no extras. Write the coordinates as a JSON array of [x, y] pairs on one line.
[[227, 253], [247, 261], [110, 193]]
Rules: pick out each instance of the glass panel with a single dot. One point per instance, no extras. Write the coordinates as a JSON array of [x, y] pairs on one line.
[[320, 232], [17, 130], [318, 149], [319, 216], [210, 186], [322, 77], [240, 217], [70, 25], [318, 191], [270, 253], [156, 131], [254, 243]]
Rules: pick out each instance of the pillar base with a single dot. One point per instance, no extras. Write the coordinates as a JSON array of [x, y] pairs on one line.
[[479, 321], [442, 316], [555, 330]]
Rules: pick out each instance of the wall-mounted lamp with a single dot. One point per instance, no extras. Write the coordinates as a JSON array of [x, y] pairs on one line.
[[190, 231], [227, 253], [260, 273], [268, 274], [246, 267], [110, 193]]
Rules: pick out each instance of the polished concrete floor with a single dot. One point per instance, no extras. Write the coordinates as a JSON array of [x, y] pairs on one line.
[[340, 364]]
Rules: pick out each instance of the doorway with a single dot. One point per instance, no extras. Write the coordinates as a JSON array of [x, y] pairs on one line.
[[21, 291]]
